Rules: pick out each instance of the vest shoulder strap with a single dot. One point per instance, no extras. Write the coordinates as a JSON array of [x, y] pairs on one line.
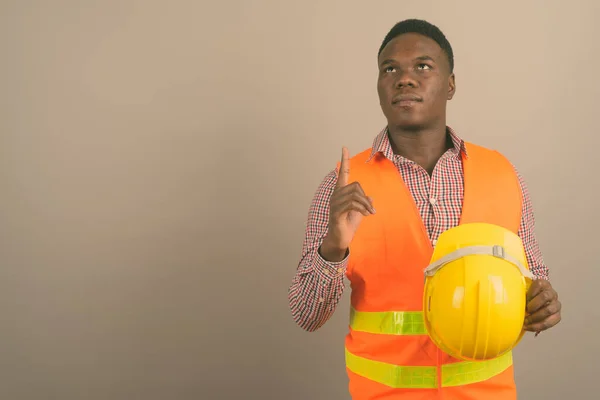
[[489, 175]]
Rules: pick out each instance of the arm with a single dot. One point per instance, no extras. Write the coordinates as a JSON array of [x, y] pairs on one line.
[[318, 284], [543, 306], [528, 235]]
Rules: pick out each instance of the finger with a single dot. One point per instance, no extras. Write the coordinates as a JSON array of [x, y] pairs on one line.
[[545, 324], [344, 169], [340, 202], [369, 199], [543, 313], [539, 301], [354, 205], [371, 203], [536, 288], [353, 187], [348, 192]]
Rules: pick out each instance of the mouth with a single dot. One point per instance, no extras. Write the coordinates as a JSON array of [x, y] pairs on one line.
[[406, 100]]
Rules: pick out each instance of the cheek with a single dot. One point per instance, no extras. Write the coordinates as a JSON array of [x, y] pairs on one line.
[[438, 92], [382, 91]]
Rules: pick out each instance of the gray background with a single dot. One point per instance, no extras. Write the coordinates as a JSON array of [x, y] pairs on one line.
[[157, 161]]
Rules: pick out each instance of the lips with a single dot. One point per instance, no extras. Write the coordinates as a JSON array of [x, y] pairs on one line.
[[406, 98]]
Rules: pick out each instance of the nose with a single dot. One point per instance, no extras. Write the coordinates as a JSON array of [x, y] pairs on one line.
[[405, 79]]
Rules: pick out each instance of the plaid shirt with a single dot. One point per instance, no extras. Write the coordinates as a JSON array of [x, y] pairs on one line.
[[318, 285]]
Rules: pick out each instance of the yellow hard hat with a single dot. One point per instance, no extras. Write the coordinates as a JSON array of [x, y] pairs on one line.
[[474, 302]]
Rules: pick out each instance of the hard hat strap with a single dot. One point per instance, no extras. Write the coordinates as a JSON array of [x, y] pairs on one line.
[[495, 251]]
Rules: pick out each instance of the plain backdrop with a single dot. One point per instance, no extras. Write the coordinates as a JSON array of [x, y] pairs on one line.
[[157, 161]]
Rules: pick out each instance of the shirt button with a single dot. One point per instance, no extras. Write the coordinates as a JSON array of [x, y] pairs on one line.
[[340, 270], [326, 272], [433, 200], [321, 300]]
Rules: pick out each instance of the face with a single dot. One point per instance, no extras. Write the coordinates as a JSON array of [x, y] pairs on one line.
[[414, 82]]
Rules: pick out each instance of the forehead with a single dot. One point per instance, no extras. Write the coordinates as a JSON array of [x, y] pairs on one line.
[[410, 46]]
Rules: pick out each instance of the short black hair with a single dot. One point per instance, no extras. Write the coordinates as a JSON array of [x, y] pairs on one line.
[[423, 28]]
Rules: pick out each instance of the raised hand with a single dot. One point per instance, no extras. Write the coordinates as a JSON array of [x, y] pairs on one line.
[[348, 205]]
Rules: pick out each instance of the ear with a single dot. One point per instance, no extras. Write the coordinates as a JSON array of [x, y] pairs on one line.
[[451, 86]]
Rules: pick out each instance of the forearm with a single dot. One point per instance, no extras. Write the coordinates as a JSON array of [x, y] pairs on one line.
[[318, 285], [316, 290], [527, 233]]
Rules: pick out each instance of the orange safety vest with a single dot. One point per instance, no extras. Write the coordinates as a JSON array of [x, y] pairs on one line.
[[388, 352]]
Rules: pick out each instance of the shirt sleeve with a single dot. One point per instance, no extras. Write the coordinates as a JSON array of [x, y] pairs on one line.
[[318, 284], [528, 235]]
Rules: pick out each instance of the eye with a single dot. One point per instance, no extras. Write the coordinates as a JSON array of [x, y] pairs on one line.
[[390, 69], [424, 67]]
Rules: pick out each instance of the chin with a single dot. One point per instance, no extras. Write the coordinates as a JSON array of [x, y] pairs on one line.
[[408, 124]]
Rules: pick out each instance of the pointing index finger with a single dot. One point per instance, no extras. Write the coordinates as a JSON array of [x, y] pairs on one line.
[[344, 169]]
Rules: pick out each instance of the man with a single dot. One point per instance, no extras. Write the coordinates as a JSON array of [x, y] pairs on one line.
[[410, 186]]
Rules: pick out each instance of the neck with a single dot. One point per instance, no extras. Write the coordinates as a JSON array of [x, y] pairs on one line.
[[425, 147]]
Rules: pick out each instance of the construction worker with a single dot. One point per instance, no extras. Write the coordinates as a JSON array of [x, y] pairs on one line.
[[375, 219]]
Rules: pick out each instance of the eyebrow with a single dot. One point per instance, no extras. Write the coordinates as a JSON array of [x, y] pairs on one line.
[[425, 58], [420, 58]]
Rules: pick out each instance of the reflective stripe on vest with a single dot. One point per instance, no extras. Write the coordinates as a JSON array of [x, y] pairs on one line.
[[397, 376], [456, 374], [390, 323]]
